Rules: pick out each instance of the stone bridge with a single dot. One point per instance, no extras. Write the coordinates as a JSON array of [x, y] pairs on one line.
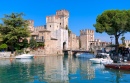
[[74, 52]]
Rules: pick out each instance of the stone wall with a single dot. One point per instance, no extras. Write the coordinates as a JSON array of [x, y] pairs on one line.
[[73, 42], [5, 54], [86, 37]]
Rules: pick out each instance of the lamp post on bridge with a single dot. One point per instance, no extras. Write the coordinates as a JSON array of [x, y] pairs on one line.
[[111, 37]]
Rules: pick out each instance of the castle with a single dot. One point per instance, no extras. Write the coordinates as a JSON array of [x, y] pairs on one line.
[[54, 34], [56, 37]]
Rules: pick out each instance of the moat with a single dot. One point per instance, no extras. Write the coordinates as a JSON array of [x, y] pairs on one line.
[[58, 69]]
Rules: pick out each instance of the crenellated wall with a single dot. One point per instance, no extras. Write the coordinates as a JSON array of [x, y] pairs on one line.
[[86, 32], [31, 25], [62, 13], [73, 42], [39, 28], [86, 37]]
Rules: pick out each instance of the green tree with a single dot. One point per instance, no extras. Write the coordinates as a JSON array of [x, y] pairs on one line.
[[123, 40], [1, 38], [113, 22], [33, 43], [14, 29], [40, 44], [3, 46], [129, 45], [21, 45], [25, 43]]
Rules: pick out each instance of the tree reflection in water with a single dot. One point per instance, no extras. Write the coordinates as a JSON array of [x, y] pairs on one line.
[[118, 75], [58, 69]]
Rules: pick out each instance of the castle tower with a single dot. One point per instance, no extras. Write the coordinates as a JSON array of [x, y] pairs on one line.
[[86, 39], [31, 25], [63, 18], [90, 38], [57, 25], [52, 24]]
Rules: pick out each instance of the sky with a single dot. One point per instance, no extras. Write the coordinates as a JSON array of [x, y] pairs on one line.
[[83, 13]]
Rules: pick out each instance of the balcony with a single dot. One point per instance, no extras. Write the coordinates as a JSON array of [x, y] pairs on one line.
[[39, 40]]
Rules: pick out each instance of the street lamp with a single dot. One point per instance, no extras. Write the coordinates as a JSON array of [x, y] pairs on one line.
[[111, 37]]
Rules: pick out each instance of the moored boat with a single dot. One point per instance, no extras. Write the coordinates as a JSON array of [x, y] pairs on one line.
[[101, 58], [121, 66], [24, 56]]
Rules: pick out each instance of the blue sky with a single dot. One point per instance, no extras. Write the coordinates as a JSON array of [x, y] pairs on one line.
[[83, 13]]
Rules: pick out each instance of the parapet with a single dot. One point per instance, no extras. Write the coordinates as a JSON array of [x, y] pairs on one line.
[[52, 18], [31, 22], [127, 41], [86, 31], [38, 28], [62, 13]]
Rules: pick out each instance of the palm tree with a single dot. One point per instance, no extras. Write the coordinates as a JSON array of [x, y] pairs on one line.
[[123, 40]]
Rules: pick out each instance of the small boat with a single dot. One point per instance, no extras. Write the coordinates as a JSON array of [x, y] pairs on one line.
[[24, 56], [101, 58], [84, 55], [121, 66]]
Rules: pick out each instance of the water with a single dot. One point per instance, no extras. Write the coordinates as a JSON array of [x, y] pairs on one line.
[[58, 69]]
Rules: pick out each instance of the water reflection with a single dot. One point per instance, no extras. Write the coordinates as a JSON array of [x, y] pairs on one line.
[[118, 76], [58, 69]]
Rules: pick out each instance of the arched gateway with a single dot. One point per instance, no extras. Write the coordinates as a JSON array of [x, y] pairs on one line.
[[64, 45]]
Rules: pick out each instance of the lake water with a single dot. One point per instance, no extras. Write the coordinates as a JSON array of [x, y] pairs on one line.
[[58, 69]]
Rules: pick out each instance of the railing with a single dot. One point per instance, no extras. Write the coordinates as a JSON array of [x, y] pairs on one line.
[[39, 40]]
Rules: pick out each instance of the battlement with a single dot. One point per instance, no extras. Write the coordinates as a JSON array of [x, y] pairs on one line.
[[38, 28], [52, 18], [127, 41], [86, 32], [62, 13], [31, 22]]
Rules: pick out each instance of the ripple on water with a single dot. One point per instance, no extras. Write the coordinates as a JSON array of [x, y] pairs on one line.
[[59, 69]]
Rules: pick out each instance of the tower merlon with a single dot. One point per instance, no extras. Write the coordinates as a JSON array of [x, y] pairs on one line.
[[62, 13]]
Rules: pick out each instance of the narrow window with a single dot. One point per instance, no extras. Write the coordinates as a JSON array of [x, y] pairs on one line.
[[50, 25], [42, 38]]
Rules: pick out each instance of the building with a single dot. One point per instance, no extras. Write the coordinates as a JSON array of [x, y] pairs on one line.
[[100, 45], [86, 37], [73, 42], [127, 42], [88, 42], [54, 34]]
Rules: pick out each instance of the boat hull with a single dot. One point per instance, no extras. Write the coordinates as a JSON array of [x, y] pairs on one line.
[[95, 61], [24, 56], [101, 61], [118, 66]]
